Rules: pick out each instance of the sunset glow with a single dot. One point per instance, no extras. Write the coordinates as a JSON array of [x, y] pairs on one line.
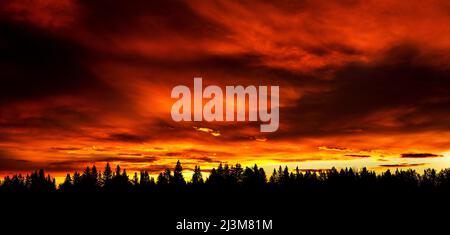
[[365, 83]]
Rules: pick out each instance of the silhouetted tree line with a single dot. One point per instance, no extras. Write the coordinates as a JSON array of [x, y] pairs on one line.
[[34, 182], [229, 177]]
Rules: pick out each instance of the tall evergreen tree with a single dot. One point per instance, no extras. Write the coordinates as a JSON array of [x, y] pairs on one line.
[[135, 179], [107, 173], [197, 176], [178, 178], [68, 183]]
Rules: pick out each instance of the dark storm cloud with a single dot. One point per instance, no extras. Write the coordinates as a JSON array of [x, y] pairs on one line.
[[419, 155], [39, 63], [36, 63], [401, 78], [404, 78], [164, 17]]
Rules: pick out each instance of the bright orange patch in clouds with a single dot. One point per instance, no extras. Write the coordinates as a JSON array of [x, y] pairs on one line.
[[361, 83]]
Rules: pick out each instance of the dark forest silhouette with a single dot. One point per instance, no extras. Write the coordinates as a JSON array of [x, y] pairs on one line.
[[226, 177]]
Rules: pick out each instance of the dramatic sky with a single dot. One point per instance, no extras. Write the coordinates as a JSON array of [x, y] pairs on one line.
[[362, 83]]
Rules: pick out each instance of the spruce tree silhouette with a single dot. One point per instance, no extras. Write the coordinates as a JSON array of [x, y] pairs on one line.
[[76, 181], [285, 177], [95, 176], [197, 178], [135, 179], [107, 174], [178, 179], [274, 177], [67, 186]]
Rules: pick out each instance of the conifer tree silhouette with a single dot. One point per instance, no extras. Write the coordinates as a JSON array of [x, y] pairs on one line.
[[178, 178], [68, 184], [135, 179], [197, 177], [107, 174]]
